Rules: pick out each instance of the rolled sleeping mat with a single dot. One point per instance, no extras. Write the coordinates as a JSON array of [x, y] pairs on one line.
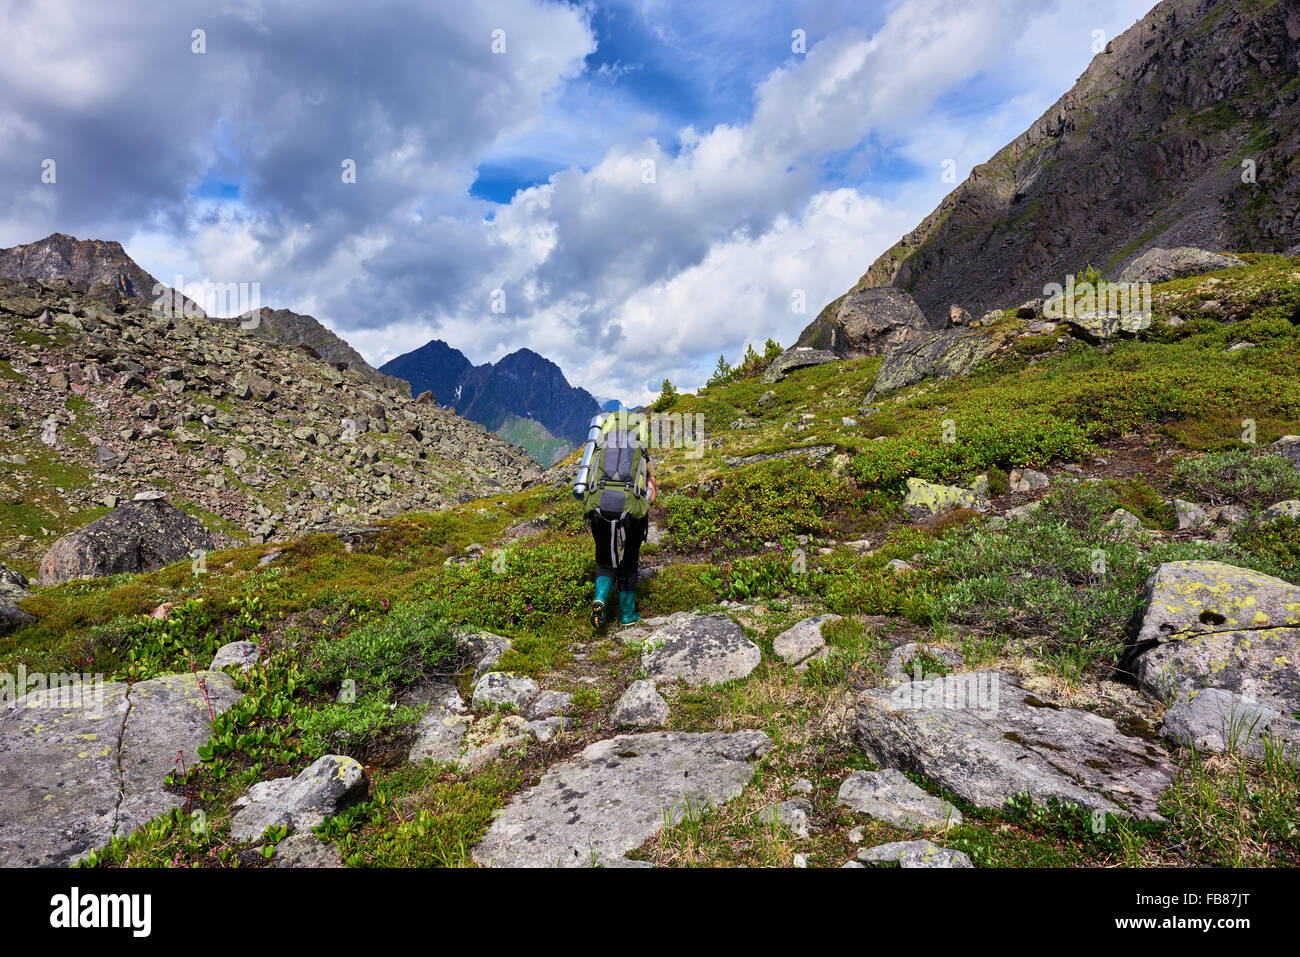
[[588, 452]]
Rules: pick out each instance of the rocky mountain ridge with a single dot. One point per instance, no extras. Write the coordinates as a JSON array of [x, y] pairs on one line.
[[1184, 131]]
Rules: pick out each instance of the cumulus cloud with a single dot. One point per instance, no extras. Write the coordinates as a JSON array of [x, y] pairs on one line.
[[653, 249]]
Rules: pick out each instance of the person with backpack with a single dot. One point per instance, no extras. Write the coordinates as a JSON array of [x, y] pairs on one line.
[[617, 485]]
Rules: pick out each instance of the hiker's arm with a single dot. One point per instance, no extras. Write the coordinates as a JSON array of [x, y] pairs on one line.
[[651, 480]]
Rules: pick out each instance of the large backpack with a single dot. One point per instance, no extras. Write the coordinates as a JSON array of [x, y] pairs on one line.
[[618, 489]]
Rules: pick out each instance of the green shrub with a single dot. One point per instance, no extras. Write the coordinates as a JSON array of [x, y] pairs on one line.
[[412, 641], [769, 501], [1277, 541], [1238, 476], [362, 729]]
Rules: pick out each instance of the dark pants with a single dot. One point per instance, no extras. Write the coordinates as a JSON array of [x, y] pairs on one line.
[[634, 533]]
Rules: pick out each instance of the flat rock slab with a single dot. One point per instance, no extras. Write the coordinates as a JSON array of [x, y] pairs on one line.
[[985, 739], [914, 854], [616, 795], [441, 730], [890, 796], [802, 641], [77, 770], [708, 649]]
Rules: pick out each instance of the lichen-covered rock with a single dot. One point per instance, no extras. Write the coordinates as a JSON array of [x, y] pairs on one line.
[[1097, 327], [914, 854], [641, 706], [616, 795], [305, 849], [1288, 509], [802, 641], [982, 737], [138, 536], [442, 728], [83, 763], [890, 796], [1261, 663], [942, 355], [330, 785], [924, 499], [483, 648], [1217, 721], [1162, 265], [796, 358], [243, 654], [498, 688], [867, 322], [705, 649], [13, 589], [547, 704]]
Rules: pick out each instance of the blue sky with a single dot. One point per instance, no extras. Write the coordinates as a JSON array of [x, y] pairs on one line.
[[647, 183]]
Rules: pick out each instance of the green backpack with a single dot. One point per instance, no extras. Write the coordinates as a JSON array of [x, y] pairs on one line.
[[618, 489]]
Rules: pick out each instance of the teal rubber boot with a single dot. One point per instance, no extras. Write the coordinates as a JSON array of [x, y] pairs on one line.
[[627, 604], [604, 586]]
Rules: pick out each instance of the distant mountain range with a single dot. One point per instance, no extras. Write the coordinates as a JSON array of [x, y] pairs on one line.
[[523, 385]]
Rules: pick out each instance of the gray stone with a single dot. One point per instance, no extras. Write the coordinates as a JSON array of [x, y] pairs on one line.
[[924, 499], [792, 814], [1028, 480], [139, 536], [802, 641], [441, 729], [1211, 625], [641, 706], [708, 649], [243, 654], [330, 785], [890, 796], [1220, 721], [1288, 509], [984, 739], [498, 688], [13, 589], [899, 667], [306, 850], [481, 756], [1189, 514], [944, 355], [1161, 265], [867, 322], [548, 704], [545, 729], [1098, 326], [616, 795], [79, 766], [914, 854], [483, 648], [796, 358]]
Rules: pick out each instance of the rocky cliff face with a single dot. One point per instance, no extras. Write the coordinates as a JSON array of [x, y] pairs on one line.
[[1146, 150]]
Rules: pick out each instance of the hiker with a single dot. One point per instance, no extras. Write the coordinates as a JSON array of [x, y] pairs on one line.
[[617, 484]]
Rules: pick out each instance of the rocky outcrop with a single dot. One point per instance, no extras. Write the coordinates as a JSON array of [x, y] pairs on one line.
[[616, 795], [1210, 625], [83, 763], [944, 355], [1133, 157], [704, 649], [867, 322], [1162, 265], [140, 536], [985, 739], [799, 357]]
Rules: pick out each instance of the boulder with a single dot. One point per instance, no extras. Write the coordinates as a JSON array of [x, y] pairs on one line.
[[1211, 625], [306, 850], [616, 795], [330, 785], [1189, 514], [914, 854], [13, 589], [1098, 326], [983, 738], [1218, 721], [890, 796], [704, 649], [640, 706], [241, 654], [924, 499], [796, 358], [942, 355], [1288, 447], [441, 730], [83, 763], [868, 322], [1288, 509], [137, 536], [803, 641], [496, 689], [548, 704], [1028, 480], [1162, 265]]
